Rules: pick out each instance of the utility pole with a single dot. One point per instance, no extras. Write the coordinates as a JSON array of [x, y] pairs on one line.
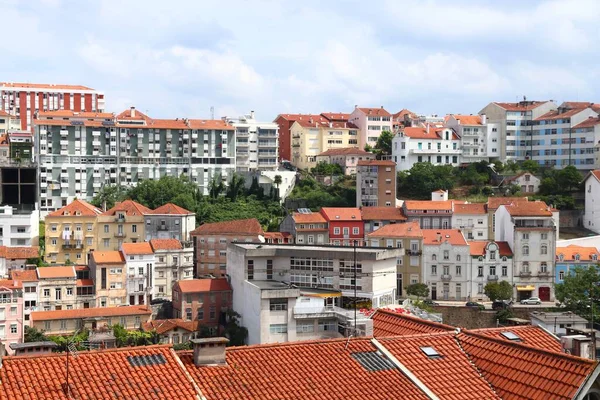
[[355, 283]]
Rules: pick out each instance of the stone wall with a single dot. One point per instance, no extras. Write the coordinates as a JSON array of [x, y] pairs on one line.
[[571, 218], [472, 318]]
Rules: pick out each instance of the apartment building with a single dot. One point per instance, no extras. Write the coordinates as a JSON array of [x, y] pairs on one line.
[[8, 122], [71, 233], [109, 272], [306, 227], [377, 217], [256, 143], [19, 226], [24, 100], [591, 216], [409, 237], [370, 123], [376, 183], [514, 123], [323, 280], [211, 241], [170, 221], [29, 280], [446, 264], [434, 144], [57, 288], [139, 261], [205, 301], [404, 118], [346, 157], [345, 225], [489, 262], [124, 223], [11, 314], [472, 220], [571, 257], [433, 214], [480, 141], [590, 128], [530, 229], [173, 262]]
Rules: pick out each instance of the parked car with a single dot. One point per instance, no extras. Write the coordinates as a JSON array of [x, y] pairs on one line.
[[531, 300], [501, 305], [475, 305], [429, 302]]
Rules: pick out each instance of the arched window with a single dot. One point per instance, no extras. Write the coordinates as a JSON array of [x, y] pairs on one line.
[[504, 259], [434, 257], [525, 250], [544, 249], [458, 257], [577, 257], [480, 258], [594, 257]]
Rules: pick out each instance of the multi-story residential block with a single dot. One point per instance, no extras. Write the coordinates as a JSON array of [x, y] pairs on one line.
[[530, 229], [590, 128], [370, 123], [528, 182], [472, 220], [275, 311], [489, 262], [376, 183], [8, 122], [24, 100], [345, 225], [65, 322], [408, 237], [21, 146], [479, 141], [404, 118], [570, 257], [591, 217], [211, 241], [71, 233], [29, 280], [346, 157], [109, 272], [492, 206], [170, 221], [11, 314], [257, 143], [429, 143], [514, 123], [203, 300], [174, 262], [57, 288], [139, 261], [433, 214], [19, 226], [124, 223], [306, 227], [446, 264], [376, 217]]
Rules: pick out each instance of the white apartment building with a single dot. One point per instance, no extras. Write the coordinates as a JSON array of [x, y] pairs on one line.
[[269, 279], [591, 217], [480, 141], [530, 228], [514, 124], [139, 262], [427, 143], [8, 122], [489, 261], [370, 123], [472, 220], [19, 227], [257, 143], [57, 288], [446, 264], [173, 262]]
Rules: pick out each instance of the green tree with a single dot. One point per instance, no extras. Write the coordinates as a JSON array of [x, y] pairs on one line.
[[511, 166], [417, 289], [424, 178], [277, 182], [499, 167], [324, 168], [233, 331], [514, 190], [498, 290], [235, 187], [108, 195], [384, 143], [530, 166], [569, 178], [549, 185], [578, 288], [34, 335], [155, 193]]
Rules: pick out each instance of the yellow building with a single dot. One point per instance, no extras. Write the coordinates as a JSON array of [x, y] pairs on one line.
[[313, 135], [124, 223], [107, 268], [71, 233]]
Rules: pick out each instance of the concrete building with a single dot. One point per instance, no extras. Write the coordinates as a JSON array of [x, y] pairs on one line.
[[11, 314], [428, 143], [16, 259], [346, 157], [570, 257], [256, 143], [529, 183], [472, 219], [433, 214], [124, 223], [409, 237], [109, 272], [446, 264], [57, 288], [139, 261], [345, 225], [285, 122], [174, 262], [377, 217], [19, 226], [8, 122], [492, 206], [376, 183], [479, 140], [170, 221], [370, 122], [24, 100], [591, 217], [489, 261], [306, 227], [269, 307], [29, 282], [211, 241], [531, 232], [558, 322], [204, 301]]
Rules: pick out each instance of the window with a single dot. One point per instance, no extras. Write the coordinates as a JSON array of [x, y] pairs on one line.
[[305, 328], [458, 270], [544, 249], [525, 236], [278, 328], [200, 314], [544, 236], [480, 270], [106, 228], [327, 326], [90, 227], [355, 231], [543, 267], [188, 314], [13, 328], [458, 257], [434, 270], [434, 257], [69, 291], [561, 275], [63, 325], [133, 228], [250, 269], [106, 242], [269, 269], [278, 304], [480, 288], [446, 255], [525, 250], [336, 231], [492, 255], [504, 270], [53, 242], [58, 293]]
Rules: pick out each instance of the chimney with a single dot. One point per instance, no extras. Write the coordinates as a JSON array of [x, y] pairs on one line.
[[209, 351], [483, 119], [252, 114], [132, 112], [439, 237], [355, 106], [428, 129]]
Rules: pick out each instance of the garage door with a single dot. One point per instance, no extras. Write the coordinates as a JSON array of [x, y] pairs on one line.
[[544, 293]]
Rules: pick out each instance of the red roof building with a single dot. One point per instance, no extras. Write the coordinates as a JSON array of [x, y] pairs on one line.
[[202, 300], [345, 225]]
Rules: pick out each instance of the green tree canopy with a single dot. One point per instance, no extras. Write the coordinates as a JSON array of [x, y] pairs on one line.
[[324, 168], [34, 335], [384, 143], [498, 290], [108, 195], [530, 166], [424, 178], [417, 289], [578, 288], [236, 333], [569, 178]]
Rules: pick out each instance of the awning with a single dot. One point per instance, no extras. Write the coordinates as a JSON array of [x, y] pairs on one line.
[[527, 288]]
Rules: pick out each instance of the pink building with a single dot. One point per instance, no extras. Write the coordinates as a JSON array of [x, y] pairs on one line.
[[11, 313]]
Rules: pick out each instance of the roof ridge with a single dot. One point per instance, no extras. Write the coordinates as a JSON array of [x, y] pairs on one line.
[[417, 319], [86, 352]]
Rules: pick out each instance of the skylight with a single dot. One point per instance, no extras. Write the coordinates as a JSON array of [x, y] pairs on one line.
[[511, 336], [373, 361], [431, 352], [140, 361]]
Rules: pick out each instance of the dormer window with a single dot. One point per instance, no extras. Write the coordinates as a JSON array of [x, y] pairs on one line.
[[594, 257], [577, 257]]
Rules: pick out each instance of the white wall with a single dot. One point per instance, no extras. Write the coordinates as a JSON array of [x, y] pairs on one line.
[[591, 218]]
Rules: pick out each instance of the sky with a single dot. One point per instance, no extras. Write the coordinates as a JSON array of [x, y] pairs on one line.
[[179, 58]]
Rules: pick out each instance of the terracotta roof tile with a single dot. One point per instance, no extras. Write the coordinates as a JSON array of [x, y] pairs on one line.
[[108, 257], [107, 374], [77, 207], [217, 124], [494, 202], [203, 285], [138, 116], [238, 226], [382, 213], [129, 207], [341, 214], [420, 132], [171, 209], [588, 123], [312, 122], [472, 208], [533, 336], [277, 236], [477, 248], [137, 248], [468, 119], [577, 104], [165, 325], [529, 209], [295, 117], [400, 114], [165, 244], [313, 217], [90, 313], [452, 236], [556, 114], [375, 111], [75, 114], [56, 272], [336, 116], [388, 323], [60, 122], [531, 105], [386, 163], [11, 284], [4, 114], [595, 173], [84, 282], [345, 151], [46, 86], [585, 253], [21, 253], [428, 205], [408, 229], [25, 276]]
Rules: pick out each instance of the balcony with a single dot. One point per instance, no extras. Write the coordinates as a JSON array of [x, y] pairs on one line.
[[470, 144], [95, 133], [120, 219], [492, 278], [120, 234], [162, 228], [525, 274], [446, 278], [317, 312], [68, 246], [544, 273], [414, 252]]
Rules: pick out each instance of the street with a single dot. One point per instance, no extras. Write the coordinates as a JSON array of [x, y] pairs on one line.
[[488, 304]]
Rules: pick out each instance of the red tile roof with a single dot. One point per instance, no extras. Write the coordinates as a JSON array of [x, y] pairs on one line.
[[385, 163], [107, 374], [341, 213], [203, 285], [428, 205], [129, 207], [494, 202], [75, 114], [346, 151], [585, 253], [312, 218], [388, 323], [468, 119], [595, 173], [171, 209], [408, 229], [108, 257], [320, 370], [531, 105], [577, 104], [419, 132], [137, 116], [336, 116], [77, 207], [11, 284], [162, 326], [452, 236], [21, 253], [142, 248], [61, 122], [529, 209], [519, 371], [4, 114], [98, 312], [400, 114], [477, 248], [375, 111], [312, 122], [237, 227], [165, 244], [46, 86], [295, 117], [472, 208], [588, 123], [382, 214], [56, 272], [85, 282], [283, 236], [25, 276], [217, 124], [533, 336], [555, 114]]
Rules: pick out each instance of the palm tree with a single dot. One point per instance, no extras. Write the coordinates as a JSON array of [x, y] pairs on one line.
[[277, 181]]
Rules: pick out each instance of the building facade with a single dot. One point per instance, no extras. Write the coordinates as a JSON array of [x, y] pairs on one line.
[[29, 281], [174, 262], [568, 258], [370, 122], [591, 216], [377, 217], [19, 227], [472, 220], [109, 272], [306, 227], [139, 261], [489, 262], [345, 225], [429, 143], [57, 288], [257, 143], [479, 141], [124, 223], [433, 214], [346, 157], [376, 183], [170, 221], [8, 122], [526, 181], [12, 324]]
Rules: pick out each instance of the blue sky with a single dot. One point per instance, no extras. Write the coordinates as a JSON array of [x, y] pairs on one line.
[[179, 58]]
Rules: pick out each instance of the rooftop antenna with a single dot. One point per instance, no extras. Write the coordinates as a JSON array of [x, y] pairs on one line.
[[212, 112], [71, 349]]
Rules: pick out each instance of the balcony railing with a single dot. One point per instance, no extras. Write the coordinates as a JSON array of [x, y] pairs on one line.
[[120, 219], [525, 273], [544, 273], [446, 277], [492, 277], [163, 228], [120, 234]]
